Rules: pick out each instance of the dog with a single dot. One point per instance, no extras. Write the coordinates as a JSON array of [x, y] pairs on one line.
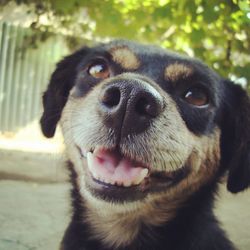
[[149, 135]]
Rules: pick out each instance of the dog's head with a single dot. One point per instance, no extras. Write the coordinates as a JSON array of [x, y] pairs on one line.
[[140, 122]]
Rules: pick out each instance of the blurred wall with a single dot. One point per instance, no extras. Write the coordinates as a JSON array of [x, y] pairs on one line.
[[24, 74]]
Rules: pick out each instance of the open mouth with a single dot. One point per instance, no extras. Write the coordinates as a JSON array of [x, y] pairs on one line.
[[115, 176], [110, 167]]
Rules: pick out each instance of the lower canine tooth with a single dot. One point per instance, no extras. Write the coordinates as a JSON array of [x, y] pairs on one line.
[[84, 153], [127, 184], [90, 163], [141, 177], [106, 181]]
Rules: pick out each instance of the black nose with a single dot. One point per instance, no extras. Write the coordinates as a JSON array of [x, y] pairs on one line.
[[128, 107]]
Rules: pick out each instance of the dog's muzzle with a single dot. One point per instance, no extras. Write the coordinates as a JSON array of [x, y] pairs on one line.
[[127, 106]]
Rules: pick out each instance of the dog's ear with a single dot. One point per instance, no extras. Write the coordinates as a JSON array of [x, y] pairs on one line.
[[236, 136], [55, 97]]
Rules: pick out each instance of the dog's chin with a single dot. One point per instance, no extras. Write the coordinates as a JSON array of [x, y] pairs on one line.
[[113, 177]]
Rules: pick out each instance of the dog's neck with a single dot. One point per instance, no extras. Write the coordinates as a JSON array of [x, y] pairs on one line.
[[113, 229], [119, 225], [117, 229]]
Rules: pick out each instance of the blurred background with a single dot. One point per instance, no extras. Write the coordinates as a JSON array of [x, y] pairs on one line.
[[34, 35]]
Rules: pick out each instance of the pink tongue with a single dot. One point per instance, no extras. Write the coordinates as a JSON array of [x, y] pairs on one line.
[[111, 167]]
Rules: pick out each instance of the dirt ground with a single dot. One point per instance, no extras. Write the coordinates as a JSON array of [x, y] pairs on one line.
[[34, 203]]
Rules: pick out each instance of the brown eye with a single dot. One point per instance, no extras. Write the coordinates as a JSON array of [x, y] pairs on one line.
[[197, 97], [99, 70]]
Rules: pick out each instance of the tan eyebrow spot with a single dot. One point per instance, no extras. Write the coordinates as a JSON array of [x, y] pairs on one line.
[[125, 57], [177, 71]]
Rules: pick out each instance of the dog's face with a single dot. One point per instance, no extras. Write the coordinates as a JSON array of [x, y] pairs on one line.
[[139, 122], [142, 124]]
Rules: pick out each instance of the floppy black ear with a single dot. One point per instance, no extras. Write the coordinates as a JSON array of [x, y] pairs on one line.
[[236, 137], [55, 97]]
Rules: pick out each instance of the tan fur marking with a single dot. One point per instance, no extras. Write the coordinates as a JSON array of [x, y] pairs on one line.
[[204, 161], [125, 57], [115, 230], [177, 71]]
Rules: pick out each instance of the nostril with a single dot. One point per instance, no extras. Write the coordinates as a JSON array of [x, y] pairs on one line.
[[111, 97], [147, 107], [142, 106]]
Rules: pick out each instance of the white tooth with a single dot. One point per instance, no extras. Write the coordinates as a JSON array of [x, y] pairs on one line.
[[95, 175], [90, 159], [127, 184], [136, 182], [84, 153], [141, 177], [112, 182], [144, 172], [104, 181], [109, 182], [90, 162]]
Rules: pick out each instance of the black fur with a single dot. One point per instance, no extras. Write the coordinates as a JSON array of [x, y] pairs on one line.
[[236, 137], [54, 99], [195, 226]]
